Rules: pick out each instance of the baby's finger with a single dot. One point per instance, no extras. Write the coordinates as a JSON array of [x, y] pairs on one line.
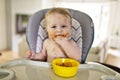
[[29, 54], [65, 39]]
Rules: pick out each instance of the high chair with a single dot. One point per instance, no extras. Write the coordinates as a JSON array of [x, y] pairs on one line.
[[82, 31]]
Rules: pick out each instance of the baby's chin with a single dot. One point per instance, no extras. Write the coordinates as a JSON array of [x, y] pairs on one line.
[[60, 37]]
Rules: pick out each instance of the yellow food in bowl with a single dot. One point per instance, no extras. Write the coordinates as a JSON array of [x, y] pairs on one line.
[[65, 67]]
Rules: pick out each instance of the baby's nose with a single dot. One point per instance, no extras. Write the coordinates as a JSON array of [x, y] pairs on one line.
[[59, 29]]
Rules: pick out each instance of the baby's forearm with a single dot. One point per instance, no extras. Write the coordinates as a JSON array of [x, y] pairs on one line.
[[71, 51]]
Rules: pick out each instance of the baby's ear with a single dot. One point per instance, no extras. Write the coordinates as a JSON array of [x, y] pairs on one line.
[[43, 23]]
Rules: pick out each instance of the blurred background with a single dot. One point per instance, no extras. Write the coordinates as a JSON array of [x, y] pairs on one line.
[[14, 15]]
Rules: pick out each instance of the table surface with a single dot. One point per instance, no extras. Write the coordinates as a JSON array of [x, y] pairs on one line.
[[34, 70]]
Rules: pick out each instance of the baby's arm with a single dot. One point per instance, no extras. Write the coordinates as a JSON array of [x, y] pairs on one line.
[[70, 48], [38, 56]]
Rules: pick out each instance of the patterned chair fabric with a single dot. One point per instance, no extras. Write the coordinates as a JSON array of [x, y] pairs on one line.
[[82, 31]]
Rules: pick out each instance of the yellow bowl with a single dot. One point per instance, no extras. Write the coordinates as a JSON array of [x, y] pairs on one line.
[[65, 67]]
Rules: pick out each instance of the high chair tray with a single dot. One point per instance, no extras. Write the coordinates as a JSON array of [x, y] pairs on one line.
[[23, 69]]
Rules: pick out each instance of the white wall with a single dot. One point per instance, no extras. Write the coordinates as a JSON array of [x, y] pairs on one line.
[[22, 7], [3, 38], [115, 18]]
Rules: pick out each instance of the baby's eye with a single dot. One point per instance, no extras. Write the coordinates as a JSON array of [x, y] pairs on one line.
[[53, 27], [63, 26]]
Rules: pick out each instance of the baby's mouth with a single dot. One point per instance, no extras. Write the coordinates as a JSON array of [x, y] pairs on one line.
[[60, 35]]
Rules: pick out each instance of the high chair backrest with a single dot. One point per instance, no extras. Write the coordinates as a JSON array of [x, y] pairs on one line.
[[82, 31]]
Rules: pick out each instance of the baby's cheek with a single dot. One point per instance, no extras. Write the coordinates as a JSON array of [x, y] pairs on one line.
[[51, 35], [67, 35]]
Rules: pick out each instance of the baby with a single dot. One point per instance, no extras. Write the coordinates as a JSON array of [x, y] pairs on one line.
[[58, 23]]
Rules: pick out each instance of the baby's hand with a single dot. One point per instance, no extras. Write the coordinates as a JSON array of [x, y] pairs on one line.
[[61, 41], [35, 56], [29, 54]]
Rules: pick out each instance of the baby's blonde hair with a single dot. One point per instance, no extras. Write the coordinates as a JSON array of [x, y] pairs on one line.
[[62, 11]]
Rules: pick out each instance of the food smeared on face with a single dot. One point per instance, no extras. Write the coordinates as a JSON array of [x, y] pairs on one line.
[[53, 36]]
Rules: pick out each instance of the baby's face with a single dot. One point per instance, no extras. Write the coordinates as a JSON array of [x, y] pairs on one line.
[[58, 26]]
